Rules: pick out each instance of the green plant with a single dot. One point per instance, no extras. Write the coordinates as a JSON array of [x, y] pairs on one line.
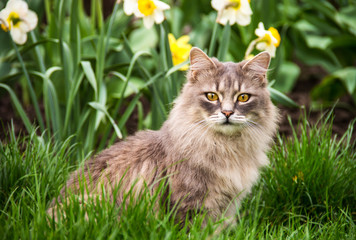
[[311, 173], [279, 207], [91, 73], [321, 33]]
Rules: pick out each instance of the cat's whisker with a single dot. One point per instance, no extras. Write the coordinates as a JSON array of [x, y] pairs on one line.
[[255, 129], [202, 157], [195, 128], [202, 136]]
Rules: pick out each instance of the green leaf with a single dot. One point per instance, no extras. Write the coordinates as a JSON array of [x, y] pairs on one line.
[[224, 42], [348, 77], [154, 78], [324, 7], [102, 101], [347, 17], [175, 68], [128, 111], [287, 76], [315, 41], [212, 43], [313, 56], [330, 89], [18, 107], [75, 42], [70, 101], [143, 39], [89, 73], [51, 101], [51, 70], [99, 107], [279, 97], [115, 87]]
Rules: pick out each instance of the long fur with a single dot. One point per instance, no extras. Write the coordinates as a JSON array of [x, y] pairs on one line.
[[207, 164]]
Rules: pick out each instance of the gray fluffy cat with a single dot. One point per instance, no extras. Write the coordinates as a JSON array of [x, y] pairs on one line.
[[211, 147]]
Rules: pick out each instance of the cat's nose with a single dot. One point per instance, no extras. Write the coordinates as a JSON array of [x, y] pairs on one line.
[[227, 113]]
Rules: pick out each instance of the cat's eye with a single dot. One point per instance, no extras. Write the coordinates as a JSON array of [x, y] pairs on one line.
[[243, 97], [212, 96]]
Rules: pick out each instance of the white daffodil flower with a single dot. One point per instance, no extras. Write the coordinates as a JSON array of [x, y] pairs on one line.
[[268, 40], [150, 10], [18, 19], [233, 11]]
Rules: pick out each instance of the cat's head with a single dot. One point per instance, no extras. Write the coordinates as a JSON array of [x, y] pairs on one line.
[[228, 97]]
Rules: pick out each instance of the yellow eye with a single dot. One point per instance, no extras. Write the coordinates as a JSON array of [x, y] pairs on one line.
[[212, 96], [243, 97]]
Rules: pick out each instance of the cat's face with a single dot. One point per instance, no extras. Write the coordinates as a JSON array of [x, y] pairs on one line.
[[228, 97]]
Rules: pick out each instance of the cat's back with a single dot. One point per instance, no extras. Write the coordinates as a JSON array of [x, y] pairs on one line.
[[140, 156]]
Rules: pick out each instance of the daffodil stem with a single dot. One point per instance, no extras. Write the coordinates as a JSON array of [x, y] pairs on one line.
[[213, 40], [250, 48], [32, 92]]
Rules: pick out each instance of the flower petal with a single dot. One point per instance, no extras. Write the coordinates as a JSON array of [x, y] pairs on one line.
[[183, 40], [130, 6], [271, 49], [261, 46], [218, 4], [23, 26], [18, 6], [4, 14], [18, 36], [228, 15], [243, 19], [245, 7], [31, 20], [161, 5], [148, 21], [158, 16], [171, 38], [260, 31]]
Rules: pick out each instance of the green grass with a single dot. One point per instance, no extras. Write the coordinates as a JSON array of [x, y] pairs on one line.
[[307, 192]]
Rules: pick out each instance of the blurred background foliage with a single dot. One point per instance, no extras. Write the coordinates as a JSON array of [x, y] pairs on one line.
[[97, 73]]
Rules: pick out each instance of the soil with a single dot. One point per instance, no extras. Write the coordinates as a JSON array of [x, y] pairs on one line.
[[309, 78]]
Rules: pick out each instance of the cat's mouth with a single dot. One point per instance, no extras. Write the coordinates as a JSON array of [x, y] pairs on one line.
[[227, 122]]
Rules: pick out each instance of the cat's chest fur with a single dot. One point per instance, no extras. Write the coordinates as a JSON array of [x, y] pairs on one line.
[[227, 167], [235, 168]]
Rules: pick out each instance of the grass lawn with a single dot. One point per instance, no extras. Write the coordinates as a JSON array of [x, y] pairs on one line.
[[307, 192]]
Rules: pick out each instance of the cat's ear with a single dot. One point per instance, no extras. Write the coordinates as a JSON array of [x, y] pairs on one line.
[[259, 64], [200, 63]]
